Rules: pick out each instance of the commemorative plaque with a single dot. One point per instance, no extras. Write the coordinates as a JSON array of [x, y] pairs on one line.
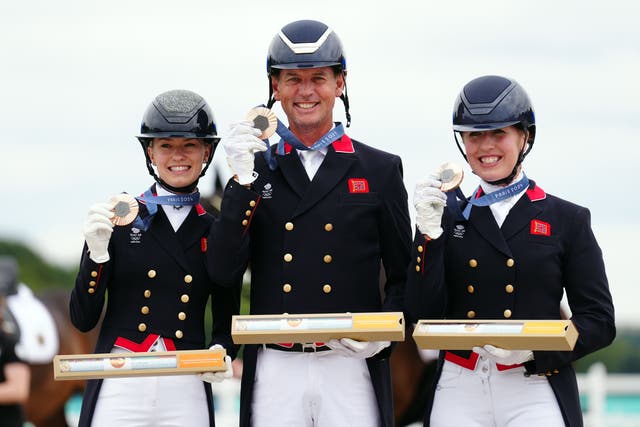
[[508, 334], [451, 175], [263, 119], [125, 209], [306, 328], [160, 363]]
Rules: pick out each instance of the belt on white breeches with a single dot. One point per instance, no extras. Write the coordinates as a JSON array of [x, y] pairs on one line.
[[471, 362], [153, 342], [299, 347]]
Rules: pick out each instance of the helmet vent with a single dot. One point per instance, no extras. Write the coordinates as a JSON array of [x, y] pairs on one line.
[[306, 46], [489, 92], [179, 101], [483, 99]]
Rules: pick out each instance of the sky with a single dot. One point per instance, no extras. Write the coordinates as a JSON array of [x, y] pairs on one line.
[[77, 75]]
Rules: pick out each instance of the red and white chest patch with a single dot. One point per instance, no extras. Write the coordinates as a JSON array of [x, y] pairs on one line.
[[358, 185], [540, 228]]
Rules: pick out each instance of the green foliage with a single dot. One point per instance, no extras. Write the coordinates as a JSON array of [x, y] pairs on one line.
[[622, 356], [244, 299], [35, 271]]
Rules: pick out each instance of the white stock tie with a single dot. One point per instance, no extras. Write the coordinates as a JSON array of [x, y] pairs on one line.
[[311, 160]]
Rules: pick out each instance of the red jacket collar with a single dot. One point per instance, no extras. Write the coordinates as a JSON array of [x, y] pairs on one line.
[[342, 145], [534, 193]]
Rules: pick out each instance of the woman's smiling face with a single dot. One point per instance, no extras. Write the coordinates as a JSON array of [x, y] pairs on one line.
[[178, 160], [492, 154]]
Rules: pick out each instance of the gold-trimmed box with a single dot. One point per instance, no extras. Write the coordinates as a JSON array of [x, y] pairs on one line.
[[508, 334], [158, 363], [317, 327]]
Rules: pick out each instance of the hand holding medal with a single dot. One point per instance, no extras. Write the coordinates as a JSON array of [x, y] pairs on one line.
[[125, 209], [450, 175], [429, 198], [263, 119]]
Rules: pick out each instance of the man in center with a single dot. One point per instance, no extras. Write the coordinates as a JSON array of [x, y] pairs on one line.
[[322, 222]]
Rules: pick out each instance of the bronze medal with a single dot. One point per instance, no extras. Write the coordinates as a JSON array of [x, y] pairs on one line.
[[263, 119], [450, 174], [125, 209]]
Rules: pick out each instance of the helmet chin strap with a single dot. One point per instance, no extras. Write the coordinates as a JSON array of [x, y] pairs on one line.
[[508, 178], [345, 100], [182, 190], [272, 99], [187, 189]]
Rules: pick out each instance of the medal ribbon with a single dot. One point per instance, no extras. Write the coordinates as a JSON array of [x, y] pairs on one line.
[[286, 135], [484, 200], [152, 201]]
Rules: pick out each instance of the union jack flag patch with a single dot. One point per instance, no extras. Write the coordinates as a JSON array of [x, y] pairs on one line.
[[358, 185], [540, 228]]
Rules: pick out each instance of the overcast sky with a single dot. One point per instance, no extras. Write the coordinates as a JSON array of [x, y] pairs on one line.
[[76, 76]]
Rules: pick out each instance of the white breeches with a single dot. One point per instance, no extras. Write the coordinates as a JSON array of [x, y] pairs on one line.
[[320, 389]]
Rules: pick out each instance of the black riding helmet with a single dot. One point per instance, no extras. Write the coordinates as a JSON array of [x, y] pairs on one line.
[[307, 44], [494, 102], [181, 114]]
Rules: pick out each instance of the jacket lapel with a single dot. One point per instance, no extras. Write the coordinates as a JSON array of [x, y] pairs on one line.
[[293, 172], [333, 169], [520, 216], [193, 229], [162, 232], [483, 221]]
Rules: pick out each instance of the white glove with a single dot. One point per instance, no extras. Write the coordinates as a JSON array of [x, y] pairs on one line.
[[241, 144], [216, 377], [97, 231], [358, 349], [503, 356], [429, 202]]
